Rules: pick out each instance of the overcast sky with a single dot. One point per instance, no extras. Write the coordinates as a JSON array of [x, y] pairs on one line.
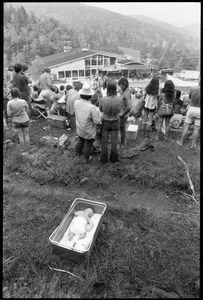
[[175, 13]]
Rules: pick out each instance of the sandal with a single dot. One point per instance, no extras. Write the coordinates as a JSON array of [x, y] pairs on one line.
[[89, 159], [194, 146], [179, 143], [151, 148], [145, 147]]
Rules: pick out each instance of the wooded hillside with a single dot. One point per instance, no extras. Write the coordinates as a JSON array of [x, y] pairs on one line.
[[41, 29]]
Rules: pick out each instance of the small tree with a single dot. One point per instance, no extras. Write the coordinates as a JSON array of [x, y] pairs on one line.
[[36, 68]]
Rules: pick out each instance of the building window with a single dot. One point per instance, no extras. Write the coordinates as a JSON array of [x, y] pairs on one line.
[[87, 62], [94, 71], [81, 73], [61, 74], [94, 60], [68, 74], [112, 61], [87, 73], [75, 73], [106, 61], [100, 60]]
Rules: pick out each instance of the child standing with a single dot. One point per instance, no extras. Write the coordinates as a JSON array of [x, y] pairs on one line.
[[17, 110], [150, 104]]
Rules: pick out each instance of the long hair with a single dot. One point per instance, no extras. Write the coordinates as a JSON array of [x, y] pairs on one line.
[[111, 87], [18, 68], [104, 85], [153, 87], [169, 89], [15, 92], [124, 81], [77, 85]]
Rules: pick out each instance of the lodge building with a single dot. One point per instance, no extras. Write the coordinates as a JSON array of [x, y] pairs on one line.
[[80, 65]]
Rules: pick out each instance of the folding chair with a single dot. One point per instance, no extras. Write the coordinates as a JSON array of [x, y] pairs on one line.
[[40, 106]]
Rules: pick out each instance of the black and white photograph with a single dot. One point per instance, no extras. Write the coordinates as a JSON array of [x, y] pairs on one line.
[[101, 150]]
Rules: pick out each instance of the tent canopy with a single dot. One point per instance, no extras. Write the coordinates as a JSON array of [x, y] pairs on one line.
[[180, 84]]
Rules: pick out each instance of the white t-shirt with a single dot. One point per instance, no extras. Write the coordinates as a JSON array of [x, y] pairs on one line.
[[87, 117], [16, 108], [78, 225], [150, 101]]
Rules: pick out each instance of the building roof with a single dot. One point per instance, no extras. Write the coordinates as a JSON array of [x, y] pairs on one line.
[[190, 74], [64, 57], [113, 69], [129, 61], [140, 67], [130, 52]]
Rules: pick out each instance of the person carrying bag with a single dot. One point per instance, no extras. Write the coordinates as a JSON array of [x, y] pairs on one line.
[[165, 108]]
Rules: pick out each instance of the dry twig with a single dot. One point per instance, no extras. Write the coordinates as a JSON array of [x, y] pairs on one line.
[[188, 175], [64, 271]]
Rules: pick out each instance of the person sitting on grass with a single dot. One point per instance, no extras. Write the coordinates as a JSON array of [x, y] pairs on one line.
[[62, 90], [81, 225], [17, 110]]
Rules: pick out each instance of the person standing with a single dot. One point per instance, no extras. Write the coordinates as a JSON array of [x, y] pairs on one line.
[[126, 107], [86, 119], [150, 105], [178, 103], [192, 116], [17, 111], [166, 99], [21, 81], [46, 86], [110, 106], [71, 97]]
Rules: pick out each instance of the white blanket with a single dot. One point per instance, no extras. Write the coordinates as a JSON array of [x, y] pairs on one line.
[[83, 244]]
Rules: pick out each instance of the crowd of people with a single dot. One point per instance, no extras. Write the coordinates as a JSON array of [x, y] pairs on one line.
[[100, 111]]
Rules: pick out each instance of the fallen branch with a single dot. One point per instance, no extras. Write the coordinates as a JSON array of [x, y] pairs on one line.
[[64, 271], [190, 196], [164, 294], [188, 176]]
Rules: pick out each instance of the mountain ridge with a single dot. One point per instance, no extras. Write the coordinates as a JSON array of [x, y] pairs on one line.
[[41, 9], [81, 25], [193, 28]]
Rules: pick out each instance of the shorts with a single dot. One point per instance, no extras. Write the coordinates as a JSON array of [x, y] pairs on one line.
[[20, 125], [193, 115], [123, 120], [149, 110], [47, 95]]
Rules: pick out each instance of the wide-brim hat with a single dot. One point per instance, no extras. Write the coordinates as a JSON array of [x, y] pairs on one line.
[[86, 90]]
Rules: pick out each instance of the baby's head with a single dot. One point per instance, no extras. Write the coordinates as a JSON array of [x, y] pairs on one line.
[[89, 212]]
